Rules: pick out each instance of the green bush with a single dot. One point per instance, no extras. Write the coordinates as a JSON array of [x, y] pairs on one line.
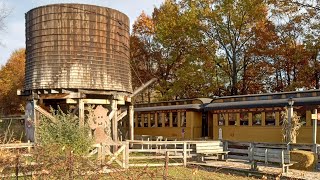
[[65, 134]]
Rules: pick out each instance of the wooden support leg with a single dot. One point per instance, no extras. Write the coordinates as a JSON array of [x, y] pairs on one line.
[[131, 122], [285, 168], [114, 121], [81, 113]]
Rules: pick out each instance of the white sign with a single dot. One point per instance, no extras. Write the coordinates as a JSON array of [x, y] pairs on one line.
[[220, 134], [315, 116]]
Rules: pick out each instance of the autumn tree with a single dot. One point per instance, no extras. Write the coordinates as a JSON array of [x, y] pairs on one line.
[[215, 47], [231, 24], [169, 46], [11, 79]]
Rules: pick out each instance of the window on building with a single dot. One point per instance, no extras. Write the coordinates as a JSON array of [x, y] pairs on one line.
[[152, 120], [302, 115], [139, 120], [167, 119], [183, 119], [256, 119], [174, 119], [159, 119], [244, 119], [221, 119], [145, 120], [232, 119], [270, 118]]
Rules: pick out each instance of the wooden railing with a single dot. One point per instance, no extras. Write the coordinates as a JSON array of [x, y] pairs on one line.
[[159, 150], [130, 153], [28, 145]]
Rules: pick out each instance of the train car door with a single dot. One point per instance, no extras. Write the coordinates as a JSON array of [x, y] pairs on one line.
[[205, 125]]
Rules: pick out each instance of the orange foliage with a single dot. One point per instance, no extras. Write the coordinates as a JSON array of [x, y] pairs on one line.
[[11, 79]]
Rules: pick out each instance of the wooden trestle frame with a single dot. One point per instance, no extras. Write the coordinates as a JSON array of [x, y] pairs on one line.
[[80, 98]]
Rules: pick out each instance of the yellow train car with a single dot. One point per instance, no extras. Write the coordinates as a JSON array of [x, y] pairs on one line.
[[181, 119], [258, 117], [249, 118]]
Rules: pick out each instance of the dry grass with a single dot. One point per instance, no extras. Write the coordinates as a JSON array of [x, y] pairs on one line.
[[178, 172], [306, 160]]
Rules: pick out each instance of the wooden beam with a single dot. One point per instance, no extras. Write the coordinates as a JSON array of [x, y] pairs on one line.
[[81, 112], [96, 101], [122, 115], [62, 96], [45, 113], [114, 121], [131, 122]]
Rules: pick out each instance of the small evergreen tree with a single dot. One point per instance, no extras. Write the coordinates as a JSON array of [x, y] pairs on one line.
[[65, 134]]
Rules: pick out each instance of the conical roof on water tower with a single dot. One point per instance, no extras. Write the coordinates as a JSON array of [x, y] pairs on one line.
[[77, 46]]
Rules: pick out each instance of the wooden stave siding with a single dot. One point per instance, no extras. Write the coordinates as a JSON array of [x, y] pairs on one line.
[[89, 51]]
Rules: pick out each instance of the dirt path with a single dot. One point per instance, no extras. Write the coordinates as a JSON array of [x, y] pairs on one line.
[[242, 166]]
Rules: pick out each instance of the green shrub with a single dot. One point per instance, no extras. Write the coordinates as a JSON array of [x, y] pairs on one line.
[[65, 134]]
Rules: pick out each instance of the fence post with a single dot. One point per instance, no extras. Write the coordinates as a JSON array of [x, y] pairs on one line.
[[166, 165], [29, 146], [17, 167], [184, 154], [127, 154]]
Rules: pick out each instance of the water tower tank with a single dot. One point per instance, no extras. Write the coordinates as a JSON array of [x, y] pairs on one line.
[[77, 46]]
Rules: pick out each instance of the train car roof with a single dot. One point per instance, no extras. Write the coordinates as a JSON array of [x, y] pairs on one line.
[[262, 103], [169, 107], [265, 94]]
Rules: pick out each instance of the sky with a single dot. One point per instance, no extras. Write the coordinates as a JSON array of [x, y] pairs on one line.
[[13, 36]]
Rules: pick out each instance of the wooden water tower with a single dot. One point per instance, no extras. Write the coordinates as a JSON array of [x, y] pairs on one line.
[[77, 55]]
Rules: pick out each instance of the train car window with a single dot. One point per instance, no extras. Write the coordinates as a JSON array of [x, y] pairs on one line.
[[139, 120], [152, 120], [291, 95], [251, 98], [281, 118], [145, 120], [167, 119], [244, 119], [264, 97], [159, 119], [302, 114], [232, 119], [174, 119], [276, 96], [256, 119], [306, 94], [221, 119], [270, 118], [183, 119]]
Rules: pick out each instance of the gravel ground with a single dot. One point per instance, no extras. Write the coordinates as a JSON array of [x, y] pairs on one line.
[[268, 170]]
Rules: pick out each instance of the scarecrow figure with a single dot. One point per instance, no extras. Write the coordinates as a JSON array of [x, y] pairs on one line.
[[99, 122]]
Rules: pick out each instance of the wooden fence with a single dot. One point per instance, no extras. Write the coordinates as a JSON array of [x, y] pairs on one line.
[[130, 153], [27, 145]]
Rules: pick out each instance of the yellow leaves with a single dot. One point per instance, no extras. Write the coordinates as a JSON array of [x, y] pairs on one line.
[[143, 25]]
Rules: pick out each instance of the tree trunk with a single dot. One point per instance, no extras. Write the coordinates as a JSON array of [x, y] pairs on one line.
[[234, 89]]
